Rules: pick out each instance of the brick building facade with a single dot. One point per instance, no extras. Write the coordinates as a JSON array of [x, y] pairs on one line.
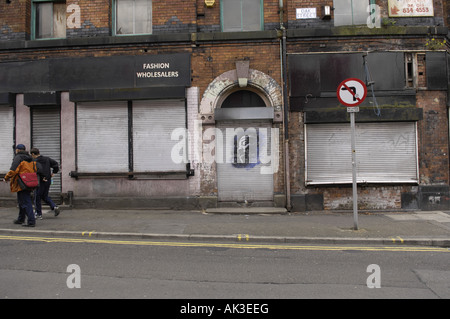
[[184, 105]]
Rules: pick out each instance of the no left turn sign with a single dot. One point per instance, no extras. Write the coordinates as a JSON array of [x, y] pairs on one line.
[[351, 92]]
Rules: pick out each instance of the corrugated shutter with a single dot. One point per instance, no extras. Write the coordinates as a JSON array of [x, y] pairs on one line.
[[153, 124], [385, 153], [102, 137], [6, 138], [236, 180], [46, 136]]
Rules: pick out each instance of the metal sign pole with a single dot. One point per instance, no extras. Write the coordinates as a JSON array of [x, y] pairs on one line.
[[355, 185], [351, 93]]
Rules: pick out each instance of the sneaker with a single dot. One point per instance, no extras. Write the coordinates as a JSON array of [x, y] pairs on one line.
[[57, 211], [18, 222], [28, 225], [39, 216]]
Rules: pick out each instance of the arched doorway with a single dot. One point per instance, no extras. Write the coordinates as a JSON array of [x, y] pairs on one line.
[[249, 113], [243, 175]]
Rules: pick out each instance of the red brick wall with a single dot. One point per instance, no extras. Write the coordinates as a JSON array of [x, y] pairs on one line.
[[292, 5], [208, 16], [210, 60], [174, 16], [98, 12], [15, 19], [447, 12], [439, 8], [433, 138], [271, 11], [213, 58], [183, 10]]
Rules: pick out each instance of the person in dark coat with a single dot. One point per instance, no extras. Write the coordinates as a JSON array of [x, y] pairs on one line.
[[23, 196], [48, 167]]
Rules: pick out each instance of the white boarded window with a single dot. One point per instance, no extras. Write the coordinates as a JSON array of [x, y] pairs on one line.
[[102, 137], [350, 12], [133, 17], [385, 153], [241, 15], [6, 138], [153, 124]]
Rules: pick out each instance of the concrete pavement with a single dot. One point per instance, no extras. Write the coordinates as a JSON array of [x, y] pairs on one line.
[[428, 228]]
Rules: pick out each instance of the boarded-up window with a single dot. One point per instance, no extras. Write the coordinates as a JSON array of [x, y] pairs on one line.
[[350, 12], [241, 15], [133, 17], [102, 137], [49, 19], [6, 138], [153, 125], [385, 153], [109, 132]]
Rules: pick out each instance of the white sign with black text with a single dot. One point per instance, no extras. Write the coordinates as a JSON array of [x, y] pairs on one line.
[[306, 13]]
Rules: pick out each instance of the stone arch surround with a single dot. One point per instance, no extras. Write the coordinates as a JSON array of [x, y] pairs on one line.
[[227, 81]]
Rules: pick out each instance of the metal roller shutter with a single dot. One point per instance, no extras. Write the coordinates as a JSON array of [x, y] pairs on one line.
[[385, 153], [153, 124], [46, 136], [6, 138], [236, 180], [102, 137]]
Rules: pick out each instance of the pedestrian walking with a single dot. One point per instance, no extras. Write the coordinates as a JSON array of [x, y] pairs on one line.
[[48, 167], [23, 196]]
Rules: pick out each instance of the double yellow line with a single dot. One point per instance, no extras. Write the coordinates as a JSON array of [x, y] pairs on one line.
[[226, 245]]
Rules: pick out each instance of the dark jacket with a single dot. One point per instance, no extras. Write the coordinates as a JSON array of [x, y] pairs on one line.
[[19, 157], [47, 166]]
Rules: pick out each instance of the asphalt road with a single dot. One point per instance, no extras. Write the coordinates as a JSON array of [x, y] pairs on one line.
[[40, 268]]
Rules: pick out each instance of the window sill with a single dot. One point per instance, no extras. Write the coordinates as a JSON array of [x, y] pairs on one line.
[[167, 175], [45, 39], [361, 183], [131, 34]]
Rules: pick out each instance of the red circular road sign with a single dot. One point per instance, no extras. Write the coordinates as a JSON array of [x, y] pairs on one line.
[[351, 92]]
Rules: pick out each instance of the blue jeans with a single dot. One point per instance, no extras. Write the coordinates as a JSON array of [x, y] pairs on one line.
[[41, 194], [25, 207]]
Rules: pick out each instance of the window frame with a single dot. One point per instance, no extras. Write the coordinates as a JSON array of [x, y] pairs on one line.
[[34, 3], [222, 25], [114, 21], [335, 5]]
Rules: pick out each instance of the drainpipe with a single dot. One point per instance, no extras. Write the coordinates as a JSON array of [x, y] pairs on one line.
[[283, 57], [281, 7]]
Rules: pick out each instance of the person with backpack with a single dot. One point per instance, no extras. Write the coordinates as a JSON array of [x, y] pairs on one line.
[[21, 164], [49, 167]]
